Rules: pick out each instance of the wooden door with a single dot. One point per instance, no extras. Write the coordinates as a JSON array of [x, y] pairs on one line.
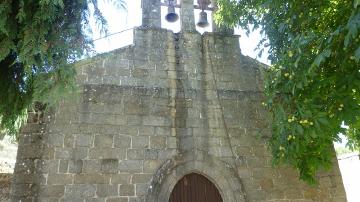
[[195, 188]]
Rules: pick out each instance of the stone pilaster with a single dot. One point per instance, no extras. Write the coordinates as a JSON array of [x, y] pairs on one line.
[[187, 15], [151, 13]]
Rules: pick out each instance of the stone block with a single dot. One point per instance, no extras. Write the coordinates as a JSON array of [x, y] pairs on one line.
[[63, 166], [52, 191], [141, 178], [187, 131], [160, 111], [127, 190], [293, 194], [136, 199], [91, 166], [75, 166], [80, 190], [47, 166], [107, 153], [151, 153], [113, 119], [140, 142], [139, 73], [117, 199], [135, 154], [122, 141], [60, 179], [133, 120], [91, 178], [166, 153], [226, 151], [80, 153], [145, 130], [136, 108], [84, 140], [120, 179], [21, 178], [29, 152], [244, 151], [107, 129], [63, 153], [48, 152], [186, 143], [72, 199], [107, 190], [131, 166], [311, 193], [141, 189], [69, 140], [171, 142], [95, 199], [56, 140], [157, 142], [276, 195], [156, 121], [151, 165], [103, 141], [256, 195], [116, 64], [109, 165], [266, 184], [255, 162]]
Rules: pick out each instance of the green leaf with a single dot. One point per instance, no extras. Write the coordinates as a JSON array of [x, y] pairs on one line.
[[6, 46], [356, 3], [357, 53], [313, 134], [321, 57], [299, 129], [323, 121]]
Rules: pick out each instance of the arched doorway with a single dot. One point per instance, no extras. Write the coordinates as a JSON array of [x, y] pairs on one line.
[[195, 188]]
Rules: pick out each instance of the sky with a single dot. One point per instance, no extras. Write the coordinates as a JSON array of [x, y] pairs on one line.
[[125, 19]]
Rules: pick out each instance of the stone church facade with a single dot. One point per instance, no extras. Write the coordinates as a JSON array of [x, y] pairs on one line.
[[148, 114]]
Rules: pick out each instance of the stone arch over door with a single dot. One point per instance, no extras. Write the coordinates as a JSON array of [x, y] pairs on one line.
[[195, 187], [220, 174]]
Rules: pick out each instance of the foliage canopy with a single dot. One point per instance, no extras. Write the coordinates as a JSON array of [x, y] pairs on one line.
[[39, 39], [313, 84]]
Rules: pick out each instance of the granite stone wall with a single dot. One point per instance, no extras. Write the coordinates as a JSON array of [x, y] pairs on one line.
[[148, 114]]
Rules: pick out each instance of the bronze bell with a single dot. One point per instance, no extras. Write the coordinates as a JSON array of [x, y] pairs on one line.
[[171, 16], [203, 22]]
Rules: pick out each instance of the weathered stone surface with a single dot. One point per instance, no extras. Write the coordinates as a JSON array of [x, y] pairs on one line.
[[127, 190], [5, 181], [107, 190], [121, 179], [93, 178], [80, 191], [131, 166], [109, 165]]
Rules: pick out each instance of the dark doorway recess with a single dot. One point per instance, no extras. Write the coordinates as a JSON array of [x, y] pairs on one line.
[[195, 188]]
